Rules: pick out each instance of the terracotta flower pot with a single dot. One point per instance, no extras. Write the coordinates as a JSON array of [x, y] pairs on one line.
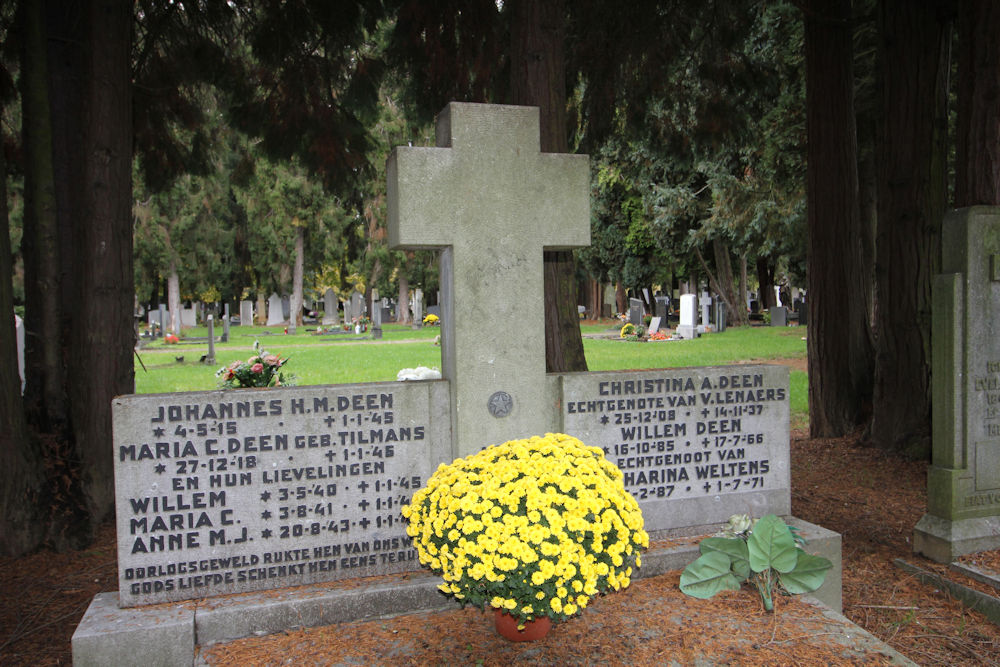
[[533, 629]]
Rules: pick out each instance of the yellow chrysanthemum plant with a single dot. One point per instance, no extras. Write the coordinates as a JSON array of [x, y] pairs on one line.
[[535, 527]]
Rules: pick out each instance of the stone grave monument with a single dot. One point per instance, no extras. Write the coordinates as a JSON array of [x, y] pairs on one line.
[[252, 492], [330, 313], [275, 316], [705, 302], [418, 308], [963, 482], [779, 316], [688, 327], [246, 313], [635, 311]]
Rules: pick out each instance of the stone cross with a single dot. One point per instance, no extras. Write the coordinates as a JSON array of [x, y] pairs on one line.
[[492, 202]]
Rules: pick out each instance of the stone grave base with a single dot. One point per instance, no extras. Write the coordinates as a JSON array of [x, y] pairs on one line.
[[169, 634], [943, 540]]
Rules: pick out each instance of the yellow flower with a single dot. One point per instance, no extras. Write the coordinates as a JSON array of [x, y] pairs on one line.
[[556, 605]]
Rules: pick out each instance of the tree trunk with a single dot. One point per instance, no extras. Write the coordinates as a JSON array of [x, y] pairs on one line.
[[295, 318], [977, 163], [765, 284], [174, 299], [838, 343], [538, 73], [620, 298], [911, 202], [22, 478], [102, 333], [403, 299]]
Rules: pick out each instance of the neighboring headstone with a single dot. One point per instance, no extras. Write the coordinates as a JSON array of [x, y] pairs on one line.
[[802, 309], [274, 314], [19, 337], [706, 308], [720, 315], [376, 315], [189, 316], [606, 310], [662, 307], [434, 310], [487, 185], [286, 309], [692, 443], [654, 325], [225, 325], [635, 311], [246, 313], [330, 308], [963, 482], [210, 356], [165, 319], [688, 327], [357, 305], [418, 308], [779, 316]]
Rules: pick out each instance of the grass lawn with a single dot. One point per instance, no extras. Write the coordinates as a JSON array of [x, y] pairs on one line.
[[343, 358]]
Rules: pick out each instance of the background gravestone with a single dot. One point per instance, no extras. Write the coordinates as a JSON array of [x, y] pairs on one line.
[[286, 309], [246, 313], [963, 482], [688, 326], [330, 308], [635, 311], [274, 314], [418, 308], [19, 335], [779, 316]]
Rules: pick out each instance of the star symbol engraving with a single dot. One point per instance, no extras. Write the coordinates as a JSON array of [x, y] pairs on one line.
[[160, 468], [265, 496], [266, 514], [604, 419], [159, 431], [266, 533]]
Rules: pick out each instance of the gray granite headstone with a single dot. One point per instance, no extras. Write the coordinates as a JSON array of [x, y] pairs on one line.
[[654, 325], [487, 186], [779, 316], [376, 315], [229, 491], [330, 314], [274, 314], [696, 445], [706, 308], [286, 309], [164, 318], [662, 307], [225, 324], [963, 482], [246, 313], [635, 311]]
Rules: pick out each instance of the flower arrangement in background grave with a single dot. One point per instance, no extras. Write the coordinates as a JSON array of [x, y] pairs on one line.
[[658, 335], [171, 339], [431, 320], [260, 370], [535, 527], [765, 552], [632, 333]]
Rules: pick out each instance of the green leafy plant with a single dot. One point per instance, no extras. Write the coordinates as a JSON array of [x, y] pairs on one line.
[[764, 553]]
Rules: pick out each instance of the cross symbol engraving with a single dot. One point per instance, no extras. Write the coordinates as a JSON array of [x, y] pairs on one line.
[[492, 202]]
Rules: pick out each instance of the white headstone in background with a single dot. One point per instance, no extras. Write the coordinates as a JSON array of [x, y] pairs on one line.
[[488, 185], [688, 327], [418, 307], [274, 314], [19, 335], [189, 317], [246, 313]]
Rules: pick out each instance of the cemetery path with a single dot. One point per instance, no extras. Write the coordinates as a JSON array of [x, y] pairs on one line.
[[871, 498]]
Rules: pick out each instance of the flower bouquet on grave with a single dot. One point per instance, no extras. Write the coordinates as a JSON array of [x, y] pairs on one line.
[[260, 370], [534, 528], [431, 320]]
